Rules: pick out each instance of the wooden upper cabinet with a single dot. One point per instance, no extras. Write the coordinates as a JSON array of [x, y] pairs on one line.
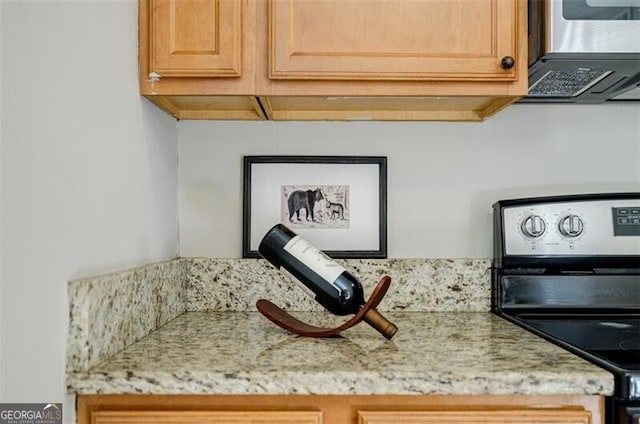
[[196, 38], [333, 59], [197, 57], [408, 40]]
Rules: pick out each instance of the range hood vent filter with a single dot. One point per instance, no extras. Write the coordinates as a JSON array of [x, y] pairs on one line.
[[566, 83]]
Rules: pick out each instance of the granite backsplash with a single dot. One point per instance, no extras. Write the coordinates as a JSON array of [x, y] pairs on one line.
[[417, 285]]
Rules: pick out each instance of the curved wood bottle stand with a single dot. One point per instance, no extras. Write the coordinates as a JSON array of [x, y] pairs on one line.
[[367, 313]]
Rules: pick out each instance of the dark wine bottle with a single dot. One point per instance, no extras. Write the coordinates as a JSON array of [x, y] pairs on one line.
[[332, 285]]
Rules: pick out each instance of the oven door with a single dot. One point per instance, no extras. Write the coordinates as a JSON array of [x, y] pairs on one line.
[[593, 26]]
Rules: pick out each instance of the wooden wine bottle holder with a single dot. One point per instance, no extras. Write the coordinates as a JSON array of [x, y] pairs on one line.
[[367, 313]]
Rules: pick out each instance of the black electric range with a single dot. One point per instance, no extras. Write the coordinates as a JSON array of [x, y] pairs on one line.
[[568, 269]]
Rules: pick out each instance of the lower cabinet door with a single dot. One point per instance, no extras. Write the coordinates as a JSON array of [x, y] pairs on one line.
[[514, 416], [206, 417]]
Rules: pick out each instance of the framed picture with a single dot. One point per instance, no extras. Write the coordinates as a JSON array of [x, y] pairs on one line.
[[337, 203]]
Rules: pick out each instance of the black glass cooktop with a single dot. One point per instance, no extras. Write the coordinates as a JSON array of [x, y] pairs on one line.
[[615, 340]]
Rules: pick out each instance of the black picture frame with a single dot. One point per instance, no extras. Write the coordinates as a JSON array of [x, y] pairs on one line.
[[354, 186]]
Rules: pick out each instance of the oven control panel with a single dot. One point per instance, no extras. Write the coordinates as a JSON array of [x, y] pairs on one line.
[[592, 227]]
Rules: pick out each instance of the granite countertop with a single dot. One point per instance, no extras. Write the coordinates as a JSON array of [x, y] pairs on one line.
[[432, 353]]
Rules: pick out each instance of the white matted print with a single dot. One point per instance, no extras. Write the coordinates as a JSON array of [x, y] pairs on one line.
[[337, 203]]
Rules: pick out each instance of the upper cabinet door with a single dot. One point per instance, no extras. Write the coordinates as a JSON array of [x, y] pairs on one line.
[[195, 38], [402, 40]]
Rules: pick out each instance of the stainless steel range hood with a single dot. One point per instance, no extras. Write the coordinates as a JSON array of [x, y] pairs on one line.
[[629, 95], [584, 51]]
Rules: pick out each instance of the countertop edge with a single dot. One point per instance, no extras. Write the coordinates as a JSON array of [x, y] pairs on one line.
[[341, 383]]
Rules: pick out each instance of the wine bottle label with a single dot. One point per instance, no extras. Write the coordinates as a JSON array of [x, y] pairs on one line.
[[314, 258]]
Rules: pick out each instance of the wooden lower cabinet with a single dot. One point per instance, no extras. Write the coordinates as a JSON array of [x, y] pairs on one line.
[[335, 409], [508, 416], [218, 417]]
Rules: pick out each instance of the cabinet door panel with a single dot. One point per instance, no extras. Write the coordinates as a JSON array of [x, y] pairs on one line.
[[522, 416], [196, 38], [206, 417], [393, 40]]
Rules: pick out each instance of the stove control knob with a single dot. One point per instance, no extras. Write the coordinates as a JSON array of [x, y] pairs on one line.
[[571, 226], [533, 226]]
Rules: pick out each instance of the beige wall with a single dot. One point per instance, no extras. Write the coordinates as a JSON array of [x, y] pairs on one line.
[[88, 176], [442, 177]]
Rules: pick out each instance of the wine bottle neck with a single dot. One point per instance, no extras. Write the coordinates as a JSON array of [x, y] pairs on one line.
[[380, 323]]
